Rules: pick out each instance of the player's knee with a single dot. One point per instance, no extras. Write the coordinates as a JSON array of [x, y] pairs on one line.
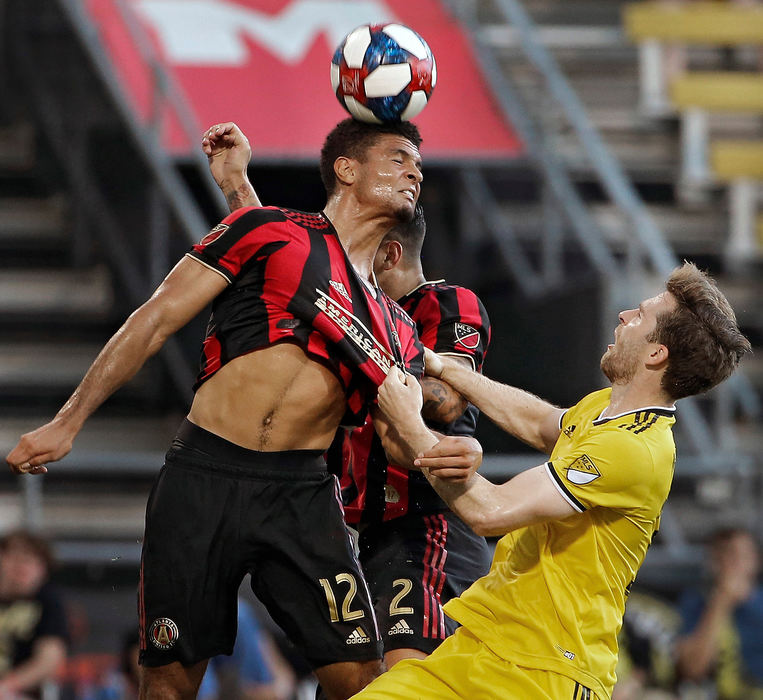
[[171, 682], [342, 680]]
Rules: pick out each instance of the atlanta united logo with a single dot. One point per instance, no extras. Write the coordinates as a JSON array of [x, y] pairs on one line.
[[163, 633], [467, 336]]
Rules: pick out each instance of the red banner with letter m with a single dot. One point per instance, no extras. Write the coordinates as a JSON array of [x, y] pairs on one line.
[[265, 64]]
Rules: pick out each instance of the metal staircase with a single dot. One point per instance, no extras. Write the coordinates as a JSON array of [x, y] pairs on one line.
[[566, 78]]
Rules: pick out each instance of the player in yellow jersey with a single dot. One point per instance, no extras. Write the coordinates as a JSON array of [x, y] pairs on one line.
[[543, 623]]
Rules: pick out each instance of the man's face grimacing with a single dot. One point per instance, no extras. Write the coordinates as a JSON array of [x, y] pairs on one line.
[[390, 176], [631, 349]]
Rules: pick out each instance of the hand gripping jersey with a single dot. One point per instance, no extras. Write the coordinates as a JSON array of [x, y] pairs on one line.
[[291, 280], [449, 320], [555, 595]]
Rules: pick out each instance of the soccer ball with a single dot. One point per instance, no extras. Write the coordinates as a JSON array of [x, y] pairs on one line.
[[383, 73]]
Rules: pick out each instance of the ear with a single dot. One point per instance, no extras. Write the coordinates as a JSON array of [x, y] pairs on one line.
[[393, 252], [658, 356], [344, 170]]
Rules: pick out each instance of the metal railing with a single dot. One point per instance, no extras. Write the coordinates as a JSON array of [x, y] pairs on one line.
[[648, 251]]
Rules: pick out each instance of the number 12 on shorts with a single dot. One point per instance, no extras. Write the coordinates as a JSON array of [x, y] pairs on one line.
[[331, 598]]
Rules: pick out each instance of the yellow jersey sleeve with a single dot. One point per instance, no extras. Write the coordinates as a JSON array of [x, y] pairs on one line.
[[611, 469]]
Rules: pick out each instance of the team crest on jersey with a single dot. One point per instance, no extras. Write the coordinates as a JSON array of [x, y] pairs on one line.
[[339, 287], [214, 234], [467, 336], [163, 633], [582, 471]]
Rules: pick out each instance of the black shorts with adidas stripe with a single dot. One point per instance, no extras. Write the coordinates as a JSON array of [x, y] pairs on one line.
[[217, 512], [414, 564]]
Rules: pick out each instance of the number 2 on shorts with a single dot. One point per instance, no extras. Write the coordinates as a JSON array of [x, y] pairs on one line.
[[394, 607]]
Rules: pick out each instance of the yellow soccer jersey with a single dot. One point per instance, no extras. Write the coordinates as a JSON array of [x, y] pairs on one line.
[[555, 595]]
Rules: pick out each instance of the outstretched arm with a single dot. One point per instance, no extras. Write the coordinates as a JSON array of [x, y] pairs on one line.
[[493, 509], [188, 288], [229, 153], [518, 412]]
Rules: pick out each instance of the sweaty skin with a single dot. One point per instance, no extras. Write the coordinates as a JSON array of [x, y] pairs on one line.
[[272, 399]]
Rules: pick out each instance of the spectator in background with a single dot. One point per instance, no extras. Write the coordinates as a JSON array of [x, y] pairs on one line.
[[646, 662], [33, 631], [255, 671], [120, 682], [721, 646]]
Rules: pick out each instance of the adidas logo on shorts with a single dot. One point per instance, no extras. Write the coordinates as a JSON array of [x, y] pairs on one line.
[[358, 636], [401, 627]]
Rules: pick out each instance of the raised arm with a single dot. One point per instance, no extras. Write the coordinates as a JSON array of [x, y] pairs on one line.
[[450, 467], [518, 412], [493, 509], [229, 153], [188, 288]]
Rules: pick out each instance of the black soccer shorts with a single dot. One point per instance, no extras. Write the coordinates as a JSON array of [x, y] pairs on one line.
[[414, 564], [217, 512]]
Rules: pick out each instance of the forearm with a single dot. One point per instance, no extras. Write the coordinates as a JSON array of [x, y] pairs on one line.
[[49, 654], [518, 412], [126, 352], [473, 500], [698, 651], [442, 403], [239, 193], [405, 440]]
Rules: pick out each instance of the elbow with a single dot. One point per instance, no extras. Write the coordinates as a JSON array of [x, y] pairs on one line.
[[446, 412], [691, 666], [485, 525], [691, 670], [442, 404]]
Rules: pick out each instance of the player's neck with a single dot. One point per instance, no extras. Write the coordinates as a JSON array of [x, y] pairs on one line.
[[359, 234], [404, 281], [632, 396]]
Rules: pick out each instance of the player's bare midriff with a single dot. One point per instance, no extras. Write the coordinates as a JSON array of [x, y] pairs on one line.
[[272, 399]]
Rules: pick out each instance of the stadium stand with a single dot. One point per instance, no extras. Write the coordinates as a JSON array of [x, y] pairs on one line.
[[66, 207]]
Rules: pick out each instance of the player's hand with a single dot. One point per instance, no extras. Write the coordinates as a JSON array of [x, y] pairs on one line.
[[737, 576], [454, 457], [228, 152], [433, 364], [400, 397], [48, 443]]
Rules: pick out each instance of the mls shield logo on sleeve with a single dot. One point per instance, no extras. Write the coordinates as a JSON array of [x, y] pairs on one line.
[[467, 336], [582, 471], [214, 234]]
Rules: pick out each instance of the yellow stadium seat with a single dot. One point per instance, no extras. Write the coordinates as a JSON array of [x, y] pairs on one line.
[[719, 91], [732, 159], [706, 23]]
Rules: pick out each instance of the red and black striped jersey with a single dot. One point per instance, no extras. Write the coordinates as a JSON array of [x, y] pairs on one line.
[[450, 320], [291, 280]]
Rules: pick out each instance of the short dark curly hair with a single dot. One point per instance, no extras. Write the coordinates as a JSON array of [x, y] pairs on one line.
[[352, 138], [410, 235], [701, 334]]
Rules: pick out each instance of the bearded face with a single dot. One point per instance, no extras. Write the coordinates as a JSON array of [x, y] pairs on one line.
[[620, 362]]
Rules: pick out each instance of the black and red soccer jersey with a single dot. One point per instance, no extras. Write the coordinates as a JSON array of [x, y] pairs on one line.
[[291, 280], [450, 320]]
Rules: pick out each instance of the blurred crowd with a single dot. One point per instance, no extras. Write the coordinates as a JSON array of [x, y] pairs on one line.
[[708, 643], [704, 644]]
